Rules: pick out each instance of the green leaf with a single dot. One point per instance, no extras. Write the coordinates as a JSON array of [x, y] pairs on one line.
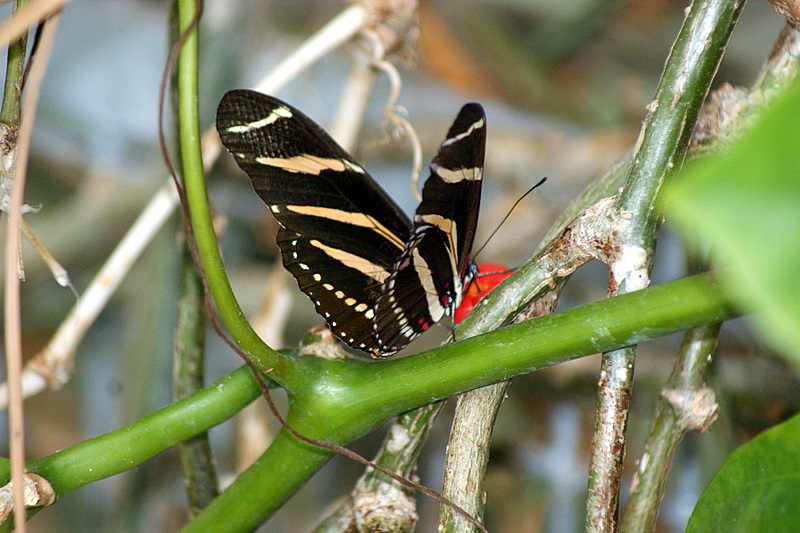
[[746, 203], [758, 487]]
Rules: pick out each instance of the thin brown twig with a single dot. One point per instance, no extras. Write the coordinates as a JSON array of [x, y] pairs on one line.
[[13, 340]]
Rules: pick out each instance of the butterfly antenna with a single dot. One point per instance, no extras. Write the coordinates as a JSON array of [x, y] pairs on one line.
[[506, 217]]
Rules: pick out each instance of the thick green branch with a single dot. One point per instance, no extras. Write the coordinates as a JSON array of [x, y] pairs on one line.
[[343, 399], [352, 397], [131, 445]]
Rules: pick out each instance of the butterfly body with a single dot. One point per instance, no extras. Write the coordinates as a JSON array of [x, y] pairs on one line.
[[378, 278]]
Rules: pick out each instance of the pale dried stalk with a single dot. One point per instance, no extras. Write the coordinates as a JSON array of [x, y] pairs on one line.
[[349, 116], [29, 15], [52, 366], [59, 272], [336, 32]]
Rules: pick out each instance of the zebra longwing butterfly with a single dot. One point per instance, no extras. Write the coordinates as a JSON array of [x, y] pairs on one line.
[[378, 279]]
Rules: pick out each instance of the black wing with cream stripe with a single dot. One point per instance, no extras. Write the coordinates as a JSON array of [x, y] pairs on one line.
[[341, 236], [436, 256]]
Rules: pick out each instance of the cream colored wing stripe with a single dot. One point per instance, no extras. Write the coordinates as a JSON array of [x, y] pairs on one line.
[[277, 113], [477, 124], [346, 217], [309, 164], [365, 266], [457, 175]]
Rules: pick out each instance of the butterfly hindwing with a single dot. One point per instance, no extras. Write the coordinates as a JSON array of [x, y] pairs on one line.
[[342, 297], [377, 279]]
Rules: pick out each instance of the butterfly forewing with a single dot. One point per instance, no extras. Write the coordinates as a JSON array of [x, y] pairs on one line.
[[340, 233], [293, 162], [434, 260], [452, 195]]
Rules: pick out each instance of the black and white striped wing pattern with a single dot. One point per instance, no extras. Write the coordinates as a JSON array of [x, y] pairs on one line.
[[435, 259], [340, 233], [342, 237]]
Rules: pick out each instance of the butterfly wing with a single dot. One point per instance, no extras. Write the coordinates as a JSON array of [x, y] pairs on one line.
[[340, 233], [426, 282]]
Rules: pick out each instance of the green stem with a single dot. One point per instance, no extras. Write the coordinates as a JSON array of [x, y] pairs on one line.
[[15, 67], [347, 398], [127, 447], [664, 140], [197, 461], [131, 445], [194, 180], [263, 488], [687, 77], [547, 340]]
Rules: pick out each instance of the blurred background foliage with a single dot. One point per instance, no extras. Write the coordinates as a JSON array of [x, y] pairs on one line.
[[565, 85]]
